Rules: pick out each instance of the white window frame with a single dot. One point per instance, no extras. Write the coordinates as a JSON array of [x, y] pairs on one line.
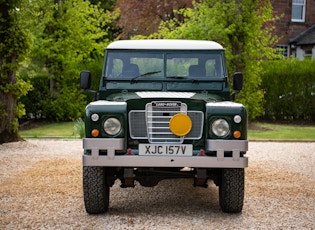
[[285, 50], [301, 3], [308, 53]]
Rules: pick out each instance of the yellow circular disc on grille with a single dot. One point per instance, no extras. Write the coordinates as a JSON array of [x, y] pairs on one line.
[[180, 124]]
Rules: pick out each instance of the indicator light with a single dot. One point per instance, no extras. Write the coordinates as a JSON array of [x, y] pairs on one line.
[[95, 133], [237, 134]]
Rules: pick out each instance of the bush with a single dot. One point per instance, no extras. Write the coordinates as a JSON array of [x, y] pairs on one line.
[[79, 127], [289, 87], [34, 98], [58, 105], [63, 104], [95, 67]]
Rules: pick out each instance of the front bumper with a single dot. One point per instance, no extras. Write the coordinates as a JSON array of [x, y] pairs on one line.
[[112, 160]]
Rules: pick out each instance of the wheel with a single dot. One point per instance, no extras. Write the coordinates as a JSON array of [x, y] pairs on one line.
[[95, 190], [231, 190]]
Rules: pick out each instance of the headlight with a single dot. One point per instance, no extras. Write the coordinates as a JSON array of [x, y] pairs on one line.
[[112, 126], [220, 127]]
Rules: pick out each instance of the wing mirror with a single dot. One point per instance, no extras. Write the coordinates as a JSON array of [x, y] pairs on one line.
[[237, 84], [85, 79], [237, 81], [85, 83]]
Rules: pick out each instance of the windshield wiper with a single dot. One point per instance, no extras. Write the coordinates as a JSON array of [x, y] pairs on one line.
[[144, 75], [176, 77], [193, 80]]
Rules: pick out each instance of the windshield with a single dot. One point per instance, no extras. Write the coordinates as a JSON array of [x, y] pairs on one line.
[[130, 65], [194, 65]]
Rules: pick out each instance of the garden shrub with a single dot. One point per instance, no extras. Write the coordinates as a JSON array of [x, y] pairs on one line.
[[289, 87]]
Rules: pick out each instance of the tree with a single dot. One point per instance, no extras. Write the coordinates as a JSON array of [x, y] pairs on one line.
[[14, 46], [240, 26], [68, 35], [144, 17], [109, 5]]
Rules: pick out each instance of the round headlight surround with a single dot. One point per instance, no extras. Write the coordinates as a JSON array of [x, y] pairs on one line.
[[220, 127], [95, 117], [237, 119], [112, 126]]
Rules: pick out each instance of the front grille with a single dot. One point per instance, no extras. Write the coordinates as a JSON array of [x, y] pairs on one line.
[[153, 122]]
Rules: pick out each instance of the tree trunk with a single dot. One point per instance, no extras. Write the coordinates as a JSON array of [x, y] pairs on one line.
[[8, 131], [8, 59]]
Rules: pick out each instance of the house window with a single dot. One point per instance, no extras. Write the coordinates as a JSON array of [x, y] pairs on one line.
[[298, 10], [308, 54], [283, 50]]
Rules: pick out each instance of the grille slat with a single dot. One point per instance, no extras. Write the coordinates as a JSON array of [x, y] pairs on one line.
[[153, 123], [160, 112], [158, 133]]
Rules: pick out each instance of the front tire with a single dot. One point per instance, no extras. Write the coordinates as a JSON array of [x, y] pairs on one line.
[[95, 190], [231, 190]]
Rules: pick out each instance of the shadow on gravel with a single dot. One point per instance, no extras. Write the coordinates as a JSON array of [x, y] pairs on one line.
[[168, 197]]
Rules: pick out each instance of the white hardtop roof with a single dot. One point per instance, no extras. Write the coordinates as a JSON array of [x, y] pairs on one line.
[[165, 44]]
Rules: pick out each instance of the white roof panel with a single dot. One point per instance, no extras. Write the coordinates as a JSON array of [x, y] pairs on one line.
[[165, 44], [156, 94]]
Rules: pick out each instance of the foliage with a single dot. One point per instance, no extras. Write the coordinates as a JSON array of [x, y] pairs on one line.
[[109, 5], [34, 99], [68, 34], [289, 86], [104, 4], [144, 17], [241, 27], [95, 68], [79, 127], [14, 47]]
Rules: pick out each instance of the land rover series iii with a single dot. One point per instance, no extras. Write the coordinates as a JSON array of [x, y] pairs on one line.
[[164, 110]]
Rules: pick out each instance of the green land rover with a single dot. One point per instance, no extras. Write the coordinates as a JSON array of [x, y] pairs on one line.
[[164, 111]]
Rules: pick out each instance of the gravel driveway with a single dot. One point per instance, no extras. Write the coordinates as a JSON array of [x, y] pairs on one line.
[[40, 188]]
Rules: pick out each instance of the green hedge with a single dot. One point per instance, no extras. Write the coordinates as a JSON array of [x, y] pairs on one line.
[[67, 103], [289, 87]]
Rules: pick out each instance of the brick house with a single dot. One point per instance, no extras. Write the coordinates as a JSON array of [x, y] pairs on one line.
[[296, 28]]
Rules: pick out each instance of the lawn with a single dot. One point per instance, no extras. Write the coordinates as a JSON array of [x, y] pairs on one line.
[[267, 131], [62, 129], [257, 131]]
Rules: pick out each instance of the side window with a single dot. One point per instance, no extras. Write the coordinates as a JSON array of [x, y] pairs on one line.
[[298, 10]]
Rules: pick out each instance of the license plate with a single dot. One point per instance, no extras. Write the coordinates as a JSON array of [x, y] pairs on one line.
[[165, 150]]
